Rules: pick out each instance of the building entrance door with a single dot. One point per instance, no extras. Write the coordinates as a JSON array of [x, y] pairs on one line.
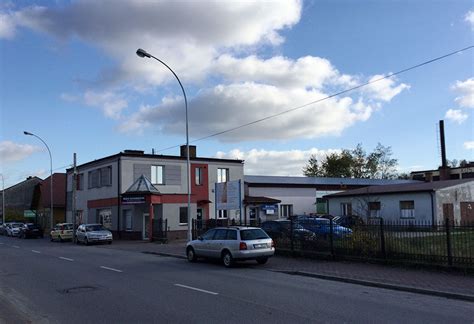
[[146, 226]]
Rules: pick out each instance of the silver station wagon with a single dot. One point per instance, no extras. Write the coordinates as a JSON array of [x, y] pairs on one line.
[[232, 244]]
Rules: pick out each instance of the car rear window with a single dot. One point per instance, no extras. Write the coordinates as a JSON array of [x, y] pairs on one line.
[[253, 234]]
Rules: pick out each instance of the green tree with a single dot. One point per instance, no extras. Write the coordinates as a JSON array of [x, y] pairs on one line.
[[338, 165], [312, 169]]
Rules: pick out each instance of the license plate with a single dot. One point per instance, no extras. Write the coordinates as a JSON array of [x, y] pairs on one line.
[[260, 246]]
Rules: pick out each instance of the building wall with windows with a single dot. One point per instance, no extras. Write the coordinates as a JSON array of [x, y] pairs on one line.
[[391, 207]]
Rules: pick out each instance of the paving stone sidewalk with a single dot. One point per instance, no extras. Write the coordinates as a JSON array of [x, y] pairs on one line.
[[435, 282]]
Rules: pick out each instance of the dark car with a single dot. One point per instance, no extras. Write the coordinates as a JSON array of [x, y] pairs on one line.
[[278, 229], [30, 230], [3, 229], [322, 226]]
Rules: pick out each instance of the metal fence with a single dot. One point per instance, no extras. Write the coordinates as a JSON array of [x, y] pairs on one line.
[[160, 230], [448, 244]]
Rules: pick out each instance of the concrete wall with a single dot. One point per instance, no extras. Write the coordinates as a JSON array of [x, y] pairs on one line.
[[454, 195]]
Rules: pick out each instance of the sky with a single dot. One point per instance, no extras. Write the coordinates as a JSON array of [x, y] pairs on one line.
[[70, 75]]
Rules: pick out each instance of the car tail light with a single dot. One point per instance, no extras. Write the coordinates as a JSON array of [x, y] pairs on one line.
[[273, 244], [243, 246]]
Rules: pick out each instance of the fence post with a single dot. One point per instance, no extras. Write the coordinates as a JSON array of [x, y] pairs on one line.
[[331, 238], [382, 239], [448, 243], [291, 235]]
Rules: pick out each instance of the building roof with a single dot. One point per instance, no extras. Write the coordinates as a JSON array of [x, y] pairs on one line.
[[139, 154], [317, 181], [142, 185], [400, 188]]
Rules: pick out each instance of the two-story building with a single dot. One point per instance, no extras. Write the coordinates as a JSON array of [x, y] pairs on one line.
[[130, 190]]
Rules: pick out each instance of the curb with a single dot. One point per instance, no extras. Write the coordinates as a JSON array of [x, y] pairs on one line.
[[437, 293], [179, 256]]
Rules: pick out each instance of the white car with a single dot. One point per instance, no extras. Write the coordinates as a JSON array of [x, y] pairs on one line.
[[13, 229], [93, 233]]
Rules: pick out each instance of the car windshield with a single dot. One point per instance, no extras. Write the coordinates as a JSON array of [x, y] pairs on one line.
[[91, 228], [253, 234]]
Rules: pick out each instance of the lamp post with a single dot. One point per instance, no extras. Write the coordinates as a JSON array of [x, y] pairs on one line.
[[142, 53], [3, 199], [51, 173]]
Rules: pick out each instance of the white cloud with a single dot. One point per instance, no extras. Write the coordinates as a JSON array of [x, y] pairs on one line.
[[466, 91], [385, 89], [470, 18], [223, 107], [111, 103], [7, 26], [12, 152], [456, 116], [469, 145], [277, 163]]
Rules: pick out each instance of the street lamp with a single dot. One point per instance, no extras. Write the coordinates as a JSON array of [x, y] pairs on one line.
[[142, 53], [51, 172], [3, 199]]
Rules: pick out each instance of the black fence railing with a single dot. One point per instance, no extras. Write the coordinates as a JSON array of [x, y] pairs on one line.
[[447, 244], [160, 230]]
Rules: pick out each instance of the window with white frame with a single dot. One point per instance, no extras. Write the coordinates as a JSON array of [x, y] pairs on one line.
[[346, 209], [374, 209], [407, 209], [183, 215], [157, 172], [198, 176], [222, 175], [222, 214], [286, 210]]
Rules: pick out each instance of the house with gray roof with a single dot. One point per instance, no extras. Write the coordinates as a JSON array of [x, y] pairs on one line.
[[429, 202]]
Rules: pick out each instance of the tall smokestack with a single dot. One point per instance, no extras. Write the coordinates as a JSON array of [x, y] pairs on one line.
[[444, 163]]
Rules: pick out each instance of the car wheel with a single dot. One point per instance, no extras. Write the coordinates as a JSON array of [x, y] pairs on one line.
[[191, 255], [86, 241], [51, 238], [60, 238], [262, 260], [227, 259], [110, 242]]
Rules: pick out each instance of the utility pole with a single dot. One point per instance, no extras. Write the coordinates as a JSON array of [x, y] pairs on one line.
[[74, 187]]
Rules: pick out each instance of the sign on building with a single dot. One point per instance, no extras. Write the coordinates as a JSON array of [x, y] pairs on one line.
[[228, 195]]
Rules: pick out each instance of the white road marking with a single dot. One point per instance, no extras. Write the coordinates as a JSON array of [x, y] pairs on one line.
[[197, 289], [111, 269], [67, 259], [15, 246], [1, 243], [34, 251]]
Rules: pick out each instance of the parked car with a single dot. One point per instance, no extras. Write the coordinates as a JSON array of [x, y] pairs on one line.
[[322, 227], [278, 229], [13, 229], [30, 230], [232, 244], [3, 229], [62, 232], [93, 233]]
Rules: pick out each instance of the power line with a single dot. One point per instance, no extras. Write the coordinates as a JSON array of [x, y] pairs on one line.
[[391, 75]]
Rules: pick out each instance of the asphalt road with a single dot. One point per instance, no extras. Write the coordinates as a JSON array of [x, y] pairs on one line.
[[45, 282]]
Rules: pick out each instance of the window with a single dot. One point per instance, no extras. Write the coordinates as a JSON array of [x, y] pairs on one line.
[[231, 235], [321, 206], [222, 175], [221, 234], [222, 214], [157, 174], [286, 210], [100, 177], [346, 209], [209, 234], [127, 217], [183, 215], [374, 209], [198, 176], [407, 209]]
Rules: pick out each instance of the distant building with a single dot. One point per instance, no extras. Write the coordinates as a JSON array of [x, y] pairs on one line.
[[429, 202], [272, 197], [464, 172], [21, 197]]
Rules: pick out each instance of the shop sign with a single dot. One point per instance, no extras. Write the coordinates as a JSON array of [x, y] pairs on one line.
[[132, 200]]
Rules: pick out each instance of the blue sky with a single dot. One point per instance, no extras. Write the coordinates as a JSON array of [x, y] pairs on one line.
[[69, 74]]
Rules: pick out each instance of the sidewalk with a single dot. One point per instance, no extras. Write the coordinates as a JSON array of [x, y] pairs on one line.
[[431, 282]]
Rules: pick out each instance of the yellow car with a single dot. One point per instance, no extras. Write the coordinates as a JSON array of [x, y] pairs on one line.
[[62, 232]]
